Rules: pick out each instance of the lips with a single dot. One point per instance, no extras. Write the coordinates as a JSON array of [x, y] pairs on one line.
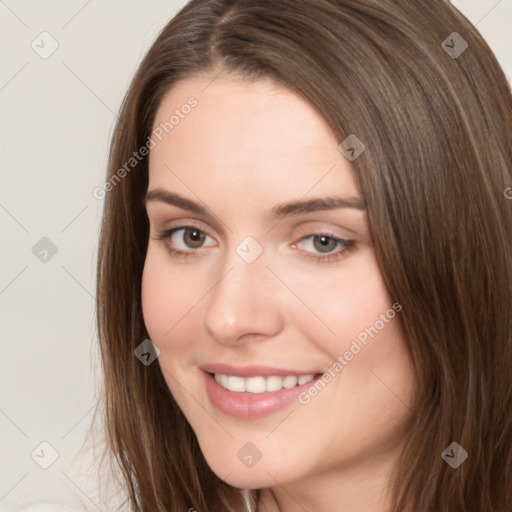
[[254, 371], [254, 391]]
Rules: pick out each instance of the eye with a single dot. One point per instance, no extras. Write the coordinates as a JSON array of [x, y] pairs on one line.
[[183, 240], [325, 244], [187, 241]]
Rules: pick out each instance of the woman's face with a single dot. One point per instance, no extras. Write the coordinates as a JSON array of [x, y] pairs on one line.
[[275, 283]]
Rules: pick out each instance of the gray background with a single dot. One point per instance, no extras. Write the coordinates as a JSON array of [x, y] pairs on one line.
[[57, 115]]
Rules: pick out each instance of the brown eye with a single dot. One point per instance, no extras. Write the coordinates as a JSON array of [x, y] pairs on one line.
[[184, 241], [193, 237], [325, 247], [324, 243]]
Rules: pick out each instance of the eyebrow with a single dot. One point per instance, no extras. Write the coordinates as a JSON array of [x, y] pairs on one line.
[[277, 212]]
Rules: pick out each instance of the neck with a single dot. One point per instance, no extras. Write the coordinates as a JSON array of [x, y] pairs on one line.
[[364, 487]]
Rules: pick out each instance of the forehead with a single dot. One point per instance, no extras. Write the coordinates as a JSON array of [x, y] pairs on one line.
[[255, 139]]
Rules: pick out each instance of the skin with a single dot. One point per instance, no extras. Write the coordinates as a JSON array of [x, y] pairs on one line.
[[243, 149]]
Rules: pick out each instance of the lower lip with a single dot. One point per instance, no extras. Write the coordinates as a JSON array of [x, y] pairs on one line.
[[251, 405]]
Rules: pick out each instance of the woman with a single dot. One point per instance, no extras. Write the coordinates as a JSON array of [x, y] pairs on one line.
[[304, 272]]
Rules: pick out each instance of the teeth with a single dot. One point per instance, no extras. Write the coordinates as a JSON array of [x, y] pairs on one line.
[[290, 382], [222, 380], [274, 383], [305, 378], [236, 384], [261, 384], [255, 385]]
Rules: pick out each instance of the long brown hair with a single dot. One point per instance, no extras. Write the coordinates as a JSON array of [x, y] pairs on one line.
[[417, 84]]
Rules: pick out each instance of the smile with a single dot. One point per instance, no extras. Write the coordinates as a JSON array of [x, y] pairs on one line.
[[260, 384], [254, 396]]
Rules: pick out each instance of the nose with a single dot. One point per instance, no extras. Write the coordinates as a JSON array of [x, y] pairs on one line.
[[243, 304]]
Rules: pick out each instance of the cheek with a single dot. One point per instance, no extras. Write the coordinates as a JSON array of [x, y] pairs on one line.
[[168, 298], [156, 301], [348, 304]]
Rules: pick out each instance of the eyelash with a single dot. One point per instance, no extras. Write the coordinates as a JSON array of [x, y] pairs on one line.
[[347, 245]]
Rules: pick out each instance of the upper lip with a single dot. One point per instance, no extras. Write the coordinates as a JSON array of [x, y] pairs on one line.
[[252, 370]]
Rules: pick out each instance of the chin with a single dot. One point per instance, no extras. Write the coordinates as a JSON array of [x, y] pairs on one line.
[[247, 478], [235, 473]]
